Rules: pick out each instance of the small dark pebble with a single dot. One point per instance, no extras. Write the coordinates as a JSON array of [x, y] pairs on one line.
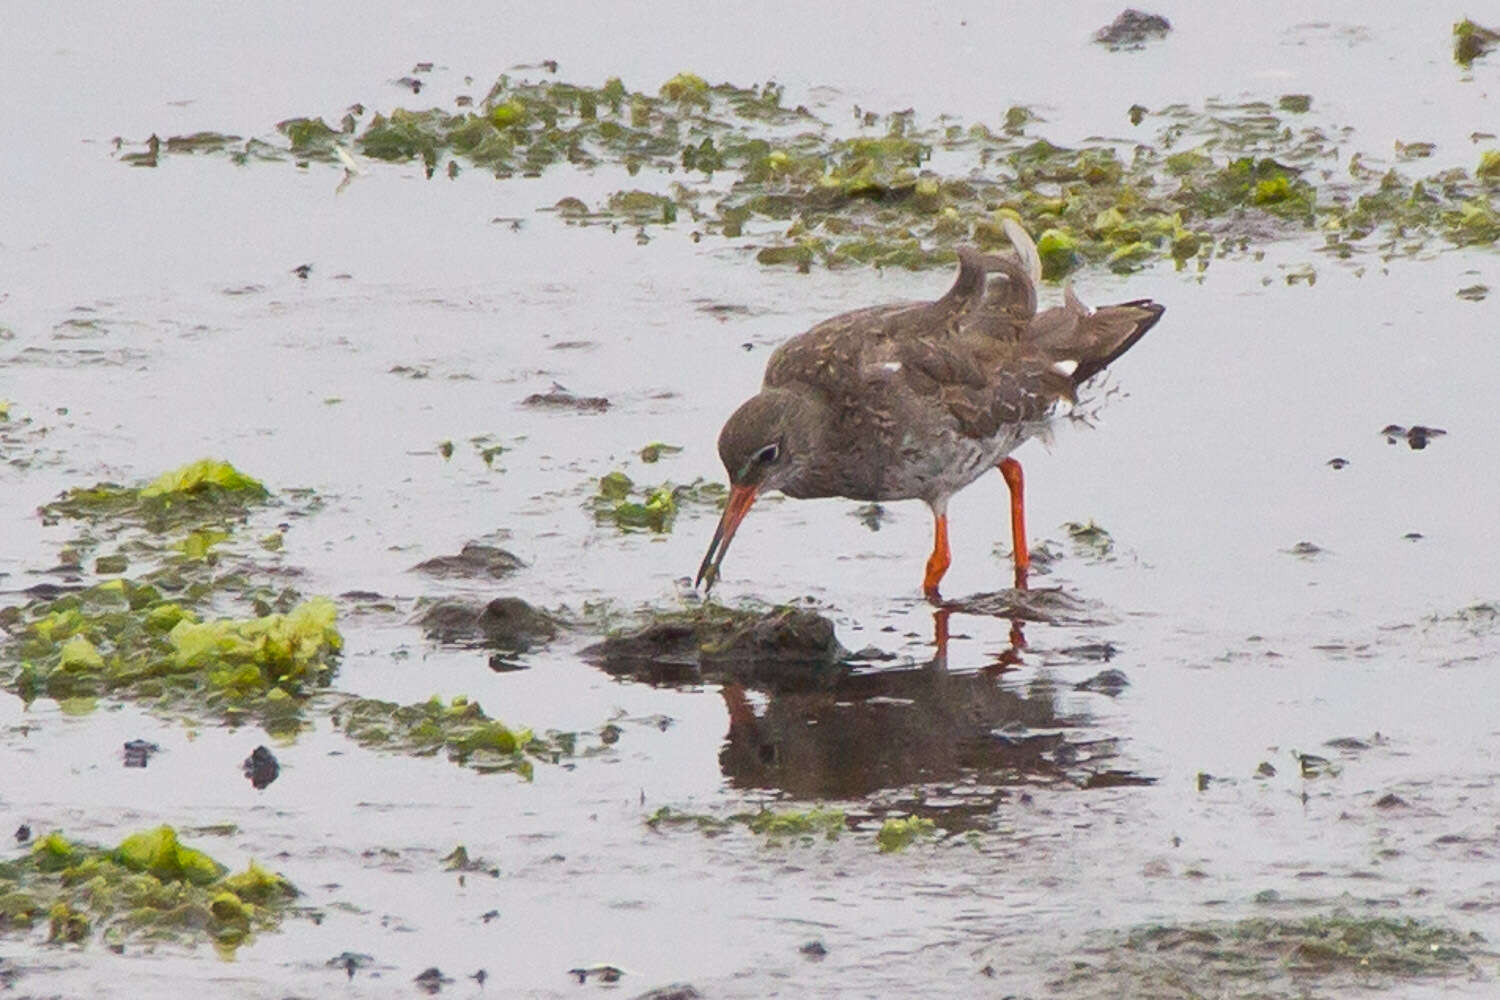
[[1204, 780], [489, 915], [1305, 550], [672, 991], [138, 752], [473, 560], [23, 833], [480, 976], [261, 767], [813, 949], [432, 979], [1390, 800], [561, 399], [1132, 30], [350, 961], [1110, 682], [1413, 536], [871, 654], [302, 271], [1265, 770], [603, 973], [1347, 743], [1337, 463]]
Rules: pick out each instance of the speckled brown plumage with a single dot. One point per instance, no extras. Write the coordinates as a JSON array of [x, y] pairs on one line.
[[917, 400]]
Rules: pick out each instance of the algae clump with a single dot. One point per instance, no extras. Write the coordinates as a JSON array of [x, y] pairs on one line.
[[151, 886], [898, 833]]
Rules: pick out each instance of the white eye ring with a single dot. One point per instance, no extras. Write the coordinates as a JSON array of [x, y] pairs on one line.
[[768, 454]]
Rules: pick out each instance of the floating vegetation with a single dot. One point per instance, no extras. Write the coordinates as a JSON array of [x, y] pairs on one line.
[[161, 636], [460, 729], [900, 832], [199, 491], [1470, 41], [804, 826], [1263, 956], [132, 640], [1090, 540], [632, 507], [150, 887], [1201, 182]]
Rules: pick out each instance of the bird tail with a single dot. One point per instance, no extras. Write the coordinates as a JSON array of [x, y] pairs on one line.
[[1108, 332]]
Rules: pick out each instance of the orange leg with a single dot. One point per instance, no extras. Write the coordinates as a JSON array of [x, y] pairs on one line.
[[939, 561], [1011, 470]]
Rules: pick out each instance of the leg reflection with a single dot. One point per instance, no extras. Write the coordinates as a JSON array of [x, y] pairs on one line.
[[1010, 657]]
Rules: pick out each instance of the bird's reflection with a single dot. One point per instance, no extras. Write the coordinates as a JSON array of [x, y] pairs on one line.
[[898, 727]]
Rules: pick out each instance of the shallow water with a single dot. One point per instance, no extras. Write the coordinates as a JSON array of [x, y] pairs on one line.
[[1207, 465]]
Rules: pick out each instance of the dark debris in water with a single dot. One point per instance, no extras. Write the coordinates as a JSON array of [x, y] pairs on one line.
[[137, 753], [474, 561], [431, 980], [1052, 605], [508, 624], [602, 973], [1132, 30], [558, 398], [261, 768], [1416, 436], [672, 991], [1108, 682]]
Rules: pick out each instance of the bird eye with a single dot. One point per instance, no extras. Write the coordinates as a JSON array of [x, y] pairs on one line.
[[768, 454]]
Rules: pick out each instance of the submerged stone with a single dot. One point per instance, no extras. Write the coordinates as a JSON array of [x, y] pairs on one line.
[[506, 623], [1132, 29], [475, 559], [788, 646]]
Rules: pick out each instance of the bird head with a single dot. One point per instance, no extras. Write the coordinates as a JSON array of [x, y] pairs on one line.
[[765, 445]]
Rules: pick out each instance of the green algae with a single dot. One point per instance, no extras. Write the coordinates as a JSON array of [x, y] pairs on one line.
[[1090, 540], [900, 832], [804, 826], [149, 887], [1470, 41], [801, 191], [1269, 956], [635, 507], [130, 639], [654, 451], [459, 729], [207, 489]]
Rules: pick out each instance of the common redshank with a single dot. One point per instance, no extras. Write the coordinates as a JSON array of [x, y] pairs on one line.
[[916, 400]]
